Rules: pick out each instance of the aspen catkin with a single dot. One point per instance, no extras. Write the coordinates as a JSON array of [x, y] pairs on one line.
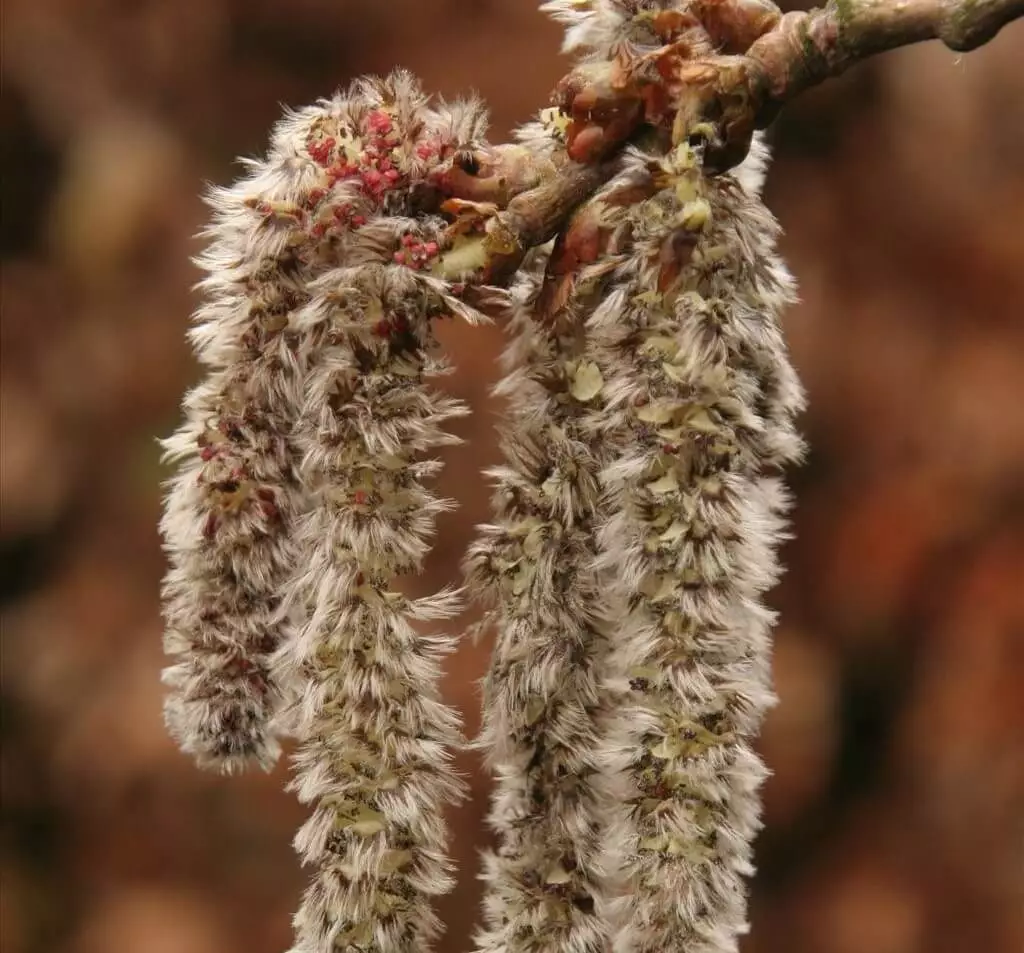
[[544, 708], [697, 375], [229, 511], [375, 740]]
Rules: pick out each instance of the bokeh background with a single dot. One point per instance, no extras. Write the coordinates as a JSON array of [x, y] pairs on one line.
[[895, 816]]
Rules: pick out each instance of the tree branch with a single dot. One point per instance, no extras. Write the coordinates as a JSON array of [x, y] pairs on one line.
[[806, 48], [725, 69]]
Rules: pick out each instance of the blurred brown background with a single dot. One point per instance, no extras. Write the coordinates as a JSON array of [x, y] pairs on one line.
[[894, 818]]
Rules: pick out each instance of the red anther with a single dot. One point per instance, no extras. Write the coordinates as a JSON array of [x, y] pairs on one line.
[[266, 494], [379, 121], [392, 176], [359, 497], [372, 179], [430, 249], [319, 229], [315, 197], [669, 448], [360, 579], [358, 221], [207, 454], [661, 791], [408, 240], [399, 257], [426, 150], [341, 170], [382, 328], [320, 152]]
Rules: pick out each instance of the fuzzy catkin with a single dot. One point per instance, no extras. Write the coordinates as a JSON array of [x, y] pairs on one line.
[[594, 29], [375, 740], [697, 375], [230, 508], [541, 701], [543, 708]]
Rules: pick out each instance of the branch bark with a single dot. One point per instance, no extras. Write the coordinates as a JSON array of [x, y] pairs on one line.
[[725, 70], [806, 48]]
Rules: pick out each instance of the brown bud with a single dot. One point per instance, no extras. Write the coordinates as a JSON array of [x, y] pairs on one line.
[[734, 25]]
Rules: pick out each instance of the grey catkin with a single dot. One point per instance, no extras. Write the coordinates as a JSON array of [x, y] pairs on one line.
[[703, 395], [544, 709], [374, 739], [303, 496], [542, 706], [230, 509]]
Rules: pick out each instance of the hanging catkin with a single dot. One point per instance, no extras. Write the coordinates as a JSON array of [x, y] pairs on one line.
[[698, 382], [374, 739]]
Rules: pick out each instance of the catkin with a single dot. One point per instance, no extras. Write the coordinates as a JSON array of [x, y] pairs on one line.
[[544, 711], [375, 740], [229, 511], [697, 377], [636, 521]]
